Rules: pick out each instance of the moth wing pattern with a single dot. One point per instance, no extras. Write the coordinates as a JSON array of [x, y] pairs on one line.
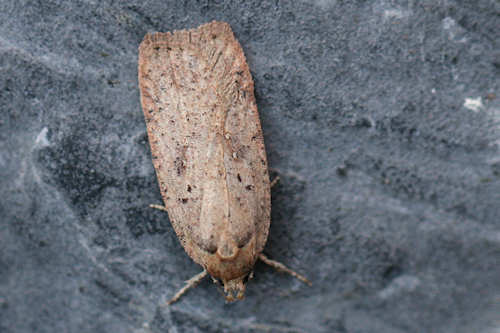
[[208, 151]]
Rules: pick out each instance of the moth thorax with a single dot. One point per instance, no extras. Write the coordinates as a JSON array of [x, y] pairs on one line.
[[227, 249]]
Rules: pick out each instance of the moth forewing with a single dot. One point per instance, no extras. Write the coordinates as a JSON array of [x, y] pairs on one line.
[[208, 151]]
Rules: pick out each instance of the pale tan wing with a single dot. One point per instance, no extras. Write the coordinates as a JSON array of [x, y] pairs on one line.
[[193, 85], [246, 168]]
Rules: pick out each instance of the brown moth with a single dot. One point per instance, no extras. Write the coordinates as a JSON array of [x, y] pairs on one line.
[[208, 151]]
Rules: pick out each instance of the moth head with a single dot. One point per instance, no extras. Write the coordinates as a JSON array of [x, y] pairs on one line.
[[231, 266], [235, 289]]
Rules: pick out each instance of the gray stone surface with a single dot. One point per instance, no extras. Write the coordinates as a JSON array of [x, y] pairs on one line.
[[382, 119]]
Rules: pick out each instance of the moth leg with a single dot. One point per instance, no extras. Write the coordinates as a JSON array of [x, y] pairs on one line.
[[275, 180], [280, 267], [191, 283], [160, 207]]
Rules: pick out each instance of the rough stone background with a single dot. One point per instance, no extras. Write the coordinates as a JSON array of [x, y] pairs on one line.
[[382, 119]]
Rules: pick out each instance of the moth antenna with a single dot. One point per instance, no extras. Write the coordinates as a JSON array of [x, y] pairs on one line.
[[280, 267], [191, 283]]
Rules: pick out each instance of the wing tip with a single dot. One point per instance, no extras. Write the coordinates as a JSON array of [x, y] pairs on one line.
[[154, 39]]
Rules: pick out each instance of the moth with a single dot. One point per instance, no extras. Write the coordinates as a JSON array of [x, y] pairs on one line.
[[208, 151]]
